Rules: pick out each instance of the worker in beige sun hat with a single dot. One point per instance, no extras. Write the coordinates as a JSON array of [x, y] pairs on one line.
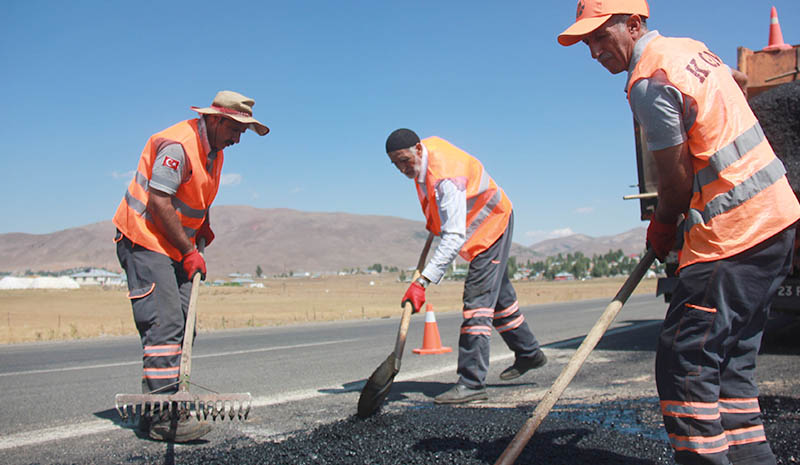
[[161, 217], [235, 106]]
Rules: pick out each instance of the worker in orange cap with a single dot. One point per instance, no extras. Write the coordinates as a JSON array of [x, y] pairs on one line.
[[718, 173], [474, 218]]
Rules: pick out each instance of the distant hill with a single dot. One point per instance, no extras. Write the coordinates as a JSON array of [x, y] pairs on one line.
[[631, 242], [280, 240]]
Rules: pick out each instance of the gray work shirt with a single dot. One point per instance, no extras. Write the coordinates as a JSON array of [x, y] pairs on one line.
[[665, 114], [171, 167]]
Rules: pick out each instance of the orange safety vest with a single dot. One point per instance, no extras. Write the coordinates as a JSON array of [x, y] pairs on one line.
[[488, 208], [741, 196], [191, 201]]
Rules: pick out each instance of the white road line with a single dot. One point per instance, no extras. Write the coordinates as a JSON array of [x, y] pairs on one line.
[[30, 438], [99, 426], [194, 357]]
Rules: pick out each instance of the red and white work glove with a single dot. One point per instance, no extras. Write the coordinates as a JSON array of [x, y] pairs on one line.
[[205, 232], [415, 295], [193, 262], [661, 237]]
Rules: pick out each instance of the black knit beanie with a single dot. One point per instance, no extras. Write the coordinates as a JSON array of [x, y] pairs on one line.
[[401, 139]]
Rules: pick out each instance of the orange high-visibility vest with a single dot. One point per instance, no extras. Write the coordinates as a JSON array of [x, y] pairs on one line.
[[488, 208], [741, 196], [191, 201]]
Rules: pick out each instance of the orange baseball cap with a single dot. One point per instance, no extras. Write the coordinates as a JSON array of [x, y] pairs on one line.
[[592, 14]]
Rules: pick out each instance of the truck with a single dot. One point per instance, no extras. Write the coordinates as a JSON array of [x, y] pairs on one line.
[[773, 92]]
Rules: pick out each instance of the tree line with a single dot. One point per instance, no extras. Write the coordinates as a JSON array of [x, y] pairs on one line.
[[612, 263], [577, 264]]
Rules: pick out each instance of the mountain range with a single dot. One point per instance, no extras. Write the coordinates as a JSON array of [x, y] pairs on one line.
[[280, 241]]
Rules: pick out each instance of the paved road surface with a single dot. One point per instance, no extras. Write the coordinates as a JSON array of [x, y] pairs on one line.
[[58, 397]]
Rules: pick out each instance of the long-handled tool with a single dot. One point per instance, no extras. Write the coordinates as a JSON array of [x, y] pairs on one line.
[[543, 408], [380, 382], [213, 404]]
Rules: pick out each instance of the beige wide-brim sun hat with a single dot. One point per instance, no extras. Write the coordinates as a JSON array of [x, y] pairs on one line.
[[237, 107]]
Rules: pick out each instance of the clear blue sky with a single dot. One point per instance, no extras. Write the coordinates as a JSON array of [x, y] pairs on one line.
[[85, 83]]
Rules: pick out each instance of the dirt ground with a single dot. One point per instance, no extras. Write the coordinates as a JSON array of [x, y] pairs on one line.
[[42, 315]]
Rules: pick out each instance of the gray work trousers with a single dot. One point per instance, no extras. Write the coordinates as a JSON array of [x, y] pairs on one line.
[[491, 301], [159, 293], [706, 357]]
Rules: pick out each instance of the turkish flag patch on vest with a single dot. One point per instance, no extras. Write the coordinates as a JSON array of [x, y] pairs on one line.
[[171, 163]]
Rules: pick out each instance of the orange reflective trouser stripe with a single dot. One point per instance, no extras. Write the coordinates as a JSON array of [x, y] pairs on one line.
[[162, 350]]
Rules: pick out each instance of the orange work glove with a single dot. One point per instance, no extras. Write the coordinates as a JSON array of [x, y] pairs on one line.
[[661, 238], [415, 295], [193, 263], [205, 232]]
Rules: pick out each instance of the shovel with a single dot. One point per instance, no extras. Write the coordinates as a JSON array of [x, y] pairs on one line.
[[576, 362], [380, 382], [211, 404]]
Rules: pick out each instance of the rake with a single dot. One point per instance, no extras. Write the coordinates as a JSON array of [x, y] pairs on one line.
[[217, 406]]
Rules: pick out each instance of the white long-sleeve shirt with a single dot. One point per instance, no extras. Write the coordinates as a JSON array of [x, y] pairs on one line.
[[451, 199]]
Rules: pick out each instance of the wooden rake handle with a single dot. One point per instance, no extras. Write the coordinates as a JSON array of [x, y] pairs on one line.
[[188, 333], [405, 319], [517, 444]]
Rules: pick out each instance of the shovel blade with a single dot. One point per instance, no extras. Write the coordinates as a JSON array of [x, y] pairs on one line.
[[377, 387]]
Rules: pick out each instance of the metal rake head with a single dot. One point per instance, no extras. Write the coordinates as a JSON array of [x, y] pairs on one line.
[[132, 407], [232, 406]]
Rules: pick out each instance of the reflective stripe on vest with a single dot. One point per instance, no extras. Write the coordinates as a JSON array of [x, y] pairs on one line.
[[727, 155], [180, 207], [484, 212], [741, 196], [488, 208]]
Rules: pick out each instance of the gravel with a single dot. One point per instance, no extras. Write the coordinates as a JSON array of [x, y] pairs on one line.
[[615, 432], [778, 111]]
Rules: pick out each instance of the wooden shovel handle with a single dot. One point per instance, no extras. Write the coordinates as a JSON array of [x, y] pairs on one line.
[[405, 319], [543, 407]]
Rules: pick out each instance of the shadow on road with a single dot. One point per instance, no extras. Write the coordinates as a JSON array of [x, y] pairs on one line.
[[113, 416], [642, 336], [780, 337], [556, 446]]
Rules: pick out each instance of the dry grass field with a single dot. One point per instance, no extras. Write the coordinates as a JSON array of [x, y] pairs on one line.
[[43, 315]]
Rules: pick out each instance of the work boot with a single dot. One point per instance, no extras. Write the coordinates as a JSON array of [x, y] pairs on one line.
[[522, 365], [176, 427], [460, 394]]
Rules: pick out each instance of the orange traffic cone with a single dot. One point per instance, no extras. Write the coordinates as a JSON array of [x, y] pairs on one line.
[[775, 34], [431, 342]]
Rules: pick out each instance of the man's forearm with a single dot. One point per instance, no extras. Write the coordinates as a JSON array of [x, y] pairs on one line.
[[168, 222], [445, 253], [672, 203], [675, 178]]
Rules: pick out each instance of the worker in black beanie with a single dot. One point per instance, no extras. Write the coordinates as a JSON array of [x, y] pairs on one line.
[[474, 218]]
